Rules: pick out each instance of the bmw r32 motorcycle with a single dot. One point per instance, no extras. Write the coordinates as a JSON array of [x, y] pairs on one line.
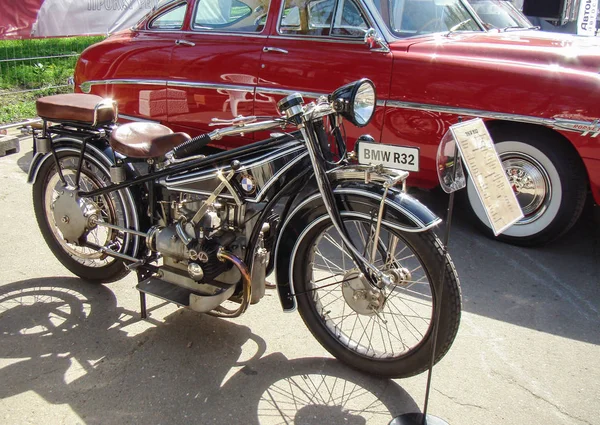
[[354, 254]]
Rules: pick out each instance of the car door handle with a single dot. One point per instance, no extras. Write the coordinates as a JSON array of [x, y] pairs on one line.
[[275, 49], [184, 43]]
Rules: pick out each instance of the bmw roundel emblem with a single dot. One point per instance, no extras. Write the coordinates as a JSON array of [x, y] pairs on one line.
[[248, 184]]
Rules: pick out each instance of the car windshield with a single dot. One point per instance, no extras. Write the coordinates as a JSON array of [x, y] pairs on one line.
[[406, 18], [500, 14]]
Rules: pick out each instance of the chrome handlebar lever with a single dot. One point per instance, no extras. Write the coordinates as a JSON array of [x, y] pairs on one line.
[[247, 127], [238, 121]]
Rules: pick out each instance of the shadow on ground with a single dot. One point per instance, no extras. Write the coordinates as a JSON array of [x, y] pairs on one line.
[[553, 289], [71, 343]]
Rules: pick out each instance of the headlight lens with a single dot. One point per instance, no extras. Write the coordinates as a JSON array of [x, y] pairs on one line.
[[356, 101], [364, 103]]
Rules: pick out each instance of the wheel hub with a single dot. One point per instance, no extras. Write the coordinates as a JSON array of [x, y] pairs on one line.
[[400, 276], [71, 214], [530, 184], [360, 295]]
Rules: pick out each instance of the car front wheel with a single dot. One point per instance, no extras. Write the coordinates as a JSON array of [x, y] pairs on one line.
[[549, 180]]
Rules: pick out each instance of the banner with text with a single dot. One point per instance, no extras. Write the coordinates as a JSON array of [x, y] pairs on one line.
[[586, 19], [59, 18]]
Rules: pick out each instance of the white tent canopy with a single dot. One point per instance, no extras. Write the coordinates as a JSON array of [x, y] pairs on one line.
[[53, 18]]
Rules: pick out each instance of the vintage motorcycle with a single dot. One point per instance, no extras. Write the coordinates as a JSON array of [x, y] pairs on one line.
[[353, 253]]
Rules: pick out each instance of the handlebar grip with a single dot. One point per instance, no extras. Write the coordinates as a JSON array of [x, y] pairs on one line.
[[191, 147]]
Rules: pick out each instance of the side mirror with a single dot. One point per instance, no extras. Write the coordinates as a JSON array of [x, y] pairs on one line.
[[374, 41]]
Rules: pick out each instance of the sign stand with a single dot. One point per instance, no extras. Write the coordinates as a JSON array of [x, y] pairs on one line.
[[470, 141], [424, 418]]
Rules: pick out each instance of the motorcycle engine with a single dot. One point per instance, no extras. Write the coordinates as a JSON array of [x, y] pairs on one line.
[[190, 251]]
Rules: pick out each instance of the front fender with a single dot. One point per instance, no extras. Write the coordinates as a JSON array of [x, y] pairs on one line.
[[403, 213]]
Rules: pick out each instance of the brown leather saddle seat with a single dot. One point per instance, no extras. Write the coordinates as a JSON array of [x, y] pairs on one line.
[[145, 139], [82, 108]]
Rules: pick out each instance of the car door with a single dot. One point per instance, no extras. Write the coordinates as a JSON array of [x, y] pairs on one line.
[[133, 67], [215, 65], [316, 47]]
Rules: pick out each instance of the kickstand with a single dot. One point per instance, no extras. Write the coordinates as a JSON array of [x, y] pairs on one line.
[[143, 312]]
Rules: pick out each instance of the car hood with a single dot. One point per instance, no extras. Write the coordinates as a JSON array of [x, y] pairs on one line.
[[534, 47]]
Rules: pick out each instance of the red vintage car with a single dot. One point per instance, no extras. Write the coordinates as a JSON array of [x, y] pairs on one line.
[[431, 61]]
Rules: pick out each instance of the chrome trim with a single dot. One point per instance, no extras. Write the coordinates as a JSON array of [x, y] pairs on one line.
[[323, 39], [583, 127], [224, 34], [259, 195], [210, 31], [287, 92], [586, 128], [210, 86], [367, 173], [274, 49], [184, 43], [469, 112], [136, 119], [87, 85], [103, 104]]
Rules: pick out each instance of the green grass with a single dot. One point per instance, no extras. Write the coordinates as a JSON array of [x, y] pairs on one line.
[[37, 73]]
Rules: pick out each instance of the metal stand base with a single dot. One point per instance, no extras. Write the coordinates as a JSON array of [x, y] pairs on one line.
[[417, 419]]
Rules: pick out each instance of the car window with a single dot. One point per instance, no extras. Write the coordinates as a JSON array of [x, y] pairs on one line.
[[408, 18], [316, 18], [172, 19], [231, 15], [349, 20]]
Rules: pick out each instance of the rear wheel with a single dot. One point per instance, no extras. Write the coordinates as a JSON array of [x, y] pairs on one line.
[[386, 333], [549, 181], [66, 222]]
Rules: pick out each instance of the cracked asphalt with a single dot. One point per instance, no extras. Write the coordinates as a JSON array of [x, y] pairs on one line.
[[72, 353]]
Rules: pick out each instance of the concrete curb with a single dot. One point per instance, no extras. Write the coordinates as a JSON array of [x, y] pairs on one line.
[[9, 145]]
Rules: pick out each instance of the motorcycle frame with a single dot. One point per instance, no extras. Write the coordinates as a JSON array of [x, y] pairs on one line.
[[320, 172]]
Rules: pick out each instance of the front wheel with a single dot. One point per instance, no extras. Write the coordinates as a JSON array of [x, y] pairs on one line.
[[382, 332]]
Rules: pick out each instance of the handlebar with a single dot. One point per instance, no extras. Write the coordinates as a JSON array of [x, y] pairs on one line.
[[195, 145], [242, 125]]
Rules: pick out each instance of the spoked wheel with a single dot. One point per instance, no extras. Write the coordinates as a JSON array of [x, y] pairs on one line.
[[384, 332], [71, 226]]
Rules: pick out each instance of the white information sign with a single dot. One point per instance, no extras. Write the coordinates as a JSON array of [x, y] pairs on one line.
[[488, 175], [586, 18]]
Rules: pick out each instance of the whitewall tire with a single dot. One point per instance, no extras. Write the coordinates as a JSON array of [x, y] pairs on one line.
[[550, 183]]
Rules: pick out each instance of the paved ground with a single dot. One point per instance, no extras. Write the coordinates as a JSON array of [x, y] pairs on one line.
[[70, 353]]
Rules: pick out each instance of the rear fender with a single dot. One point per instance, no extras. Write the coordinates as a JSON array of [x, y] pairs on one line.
[[357, 199], [103, 157]]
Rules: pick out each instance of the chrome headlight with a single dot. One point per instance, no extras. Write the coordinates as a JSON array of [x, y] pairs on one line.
[[356, 101]]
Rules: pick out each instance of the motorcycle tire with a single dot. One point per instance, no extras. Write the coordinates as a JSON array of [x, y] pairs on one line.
[[90, 265], [401, 345]]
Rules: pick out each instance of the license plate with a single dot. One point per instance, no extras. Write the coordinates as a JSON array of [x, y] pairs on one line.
[[391, 156]]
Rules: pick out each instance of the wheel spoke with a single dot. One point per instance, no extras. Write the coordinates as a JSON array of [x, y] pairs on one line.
[[387, 328]]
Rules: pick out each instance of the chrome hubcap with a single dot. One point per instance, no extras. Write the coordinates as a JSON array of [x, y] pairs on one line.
[[530, 182]]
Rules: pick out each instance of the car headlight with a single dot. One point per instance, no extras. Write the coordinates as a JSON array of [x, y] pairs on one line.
[[356, 101]]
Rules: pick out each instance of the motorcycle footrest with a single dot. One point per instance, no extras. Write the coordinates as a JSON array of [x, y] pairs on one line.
[[165, 290]]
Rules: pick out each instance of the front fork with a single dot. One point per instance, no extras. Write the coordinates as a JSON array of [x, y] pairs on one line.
[[375, 276]]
